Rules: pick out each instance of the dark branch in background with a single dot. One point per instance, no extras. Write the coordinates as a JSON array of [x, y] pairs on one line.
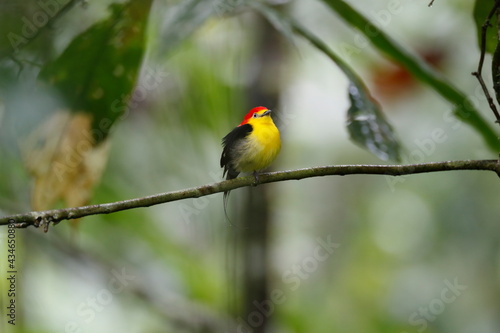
[[478, 73], [254, 238], [44, 218], [431, 3]]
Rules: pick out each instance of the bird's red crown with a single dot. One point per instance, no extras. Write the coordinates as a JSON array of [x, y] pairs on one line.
[[250, 114]]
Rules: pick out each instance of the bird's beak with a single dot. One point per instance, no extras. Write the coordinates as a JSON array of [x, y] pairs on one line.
[[266, 113]]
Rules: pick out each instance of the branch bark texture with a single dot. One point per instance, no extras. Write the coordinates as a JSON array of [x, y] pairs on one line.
[[44, 218]]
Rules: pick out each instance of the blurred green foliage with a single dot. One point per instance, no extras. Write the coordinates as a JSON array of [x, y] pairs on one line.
[[464, 109], [366, 123], [401, 241], [97, 71]]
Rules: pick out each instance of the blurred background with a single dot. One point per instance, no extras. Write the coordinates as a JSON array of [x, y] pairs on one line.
[[163, 82]]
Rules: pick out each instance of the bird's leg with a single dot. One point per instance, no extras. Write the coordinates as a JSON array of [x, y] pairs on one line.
[[256, 176]]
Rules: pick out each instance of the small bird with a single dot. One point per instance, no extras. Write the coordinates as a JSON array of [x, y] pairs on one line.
[[251, 146]]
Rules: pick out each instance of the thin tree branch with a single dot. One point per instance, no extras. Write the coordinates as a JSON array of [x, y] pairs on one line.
[[479, 73], [44, 218]]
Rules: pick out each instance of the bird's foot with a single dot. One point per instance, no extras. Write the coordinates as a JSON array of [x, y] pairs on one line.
[[256, 177]]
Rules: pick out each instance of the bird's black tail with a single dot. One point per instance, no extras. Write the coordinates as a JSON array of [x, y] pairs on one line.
[[231, 174], [224, 200]]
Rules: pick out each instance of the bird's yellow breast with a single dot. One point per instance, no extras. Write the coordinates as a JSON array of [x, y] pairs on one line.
[[262, 146]]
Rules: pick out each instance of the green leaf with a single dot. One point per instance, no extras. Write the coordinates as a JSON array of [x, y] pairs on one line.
[[365, 120], [368, 127], [495, 71], [482, 9], [463, 108], [97, 72]]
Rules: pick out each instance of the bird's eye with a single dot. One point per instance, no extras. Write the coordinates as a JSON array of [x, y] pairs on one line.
[[255, 115]]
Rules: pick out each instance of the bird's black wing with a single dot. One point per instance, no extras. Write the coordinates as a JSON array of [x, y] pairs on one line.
[[229, 142]]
